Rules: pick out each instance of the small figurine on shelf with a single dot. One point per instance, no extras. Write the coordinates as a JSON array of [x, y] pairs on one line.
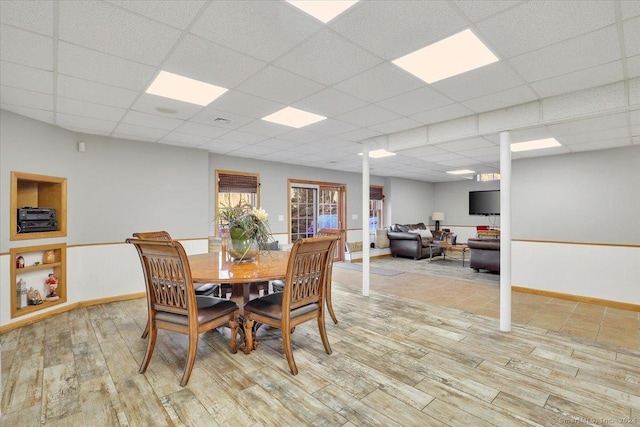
[[21, 294], [34, 297], [51, 286], [20, 262], [49, 257]]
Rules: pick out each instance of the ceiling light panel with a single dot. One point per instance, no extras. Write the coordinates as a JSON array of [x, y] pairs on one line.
[[324, 11], [378, 154], [461, 172], [293, 117], [449, 57], [534, 145], [184, 89]]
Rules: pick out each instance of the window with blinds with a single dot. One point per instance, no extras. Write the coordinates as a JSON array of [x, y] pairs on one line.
[[376, 207], [236, 187]]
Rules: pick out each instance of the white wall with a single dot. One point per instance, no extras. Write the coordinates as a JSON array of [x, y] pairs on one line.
[[575, 226]]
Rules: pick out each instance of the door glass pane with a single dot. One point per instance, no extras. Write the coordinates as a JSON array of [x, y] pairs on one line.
[[328, 209], [303, 212]]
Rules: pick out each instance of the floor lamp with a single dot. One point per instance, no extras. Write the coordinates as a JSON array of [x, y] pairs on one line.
[[437, 217]]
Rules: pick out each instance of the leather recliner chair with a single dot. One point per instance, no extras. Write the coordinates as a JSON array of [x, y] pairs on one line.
[[485, 254]]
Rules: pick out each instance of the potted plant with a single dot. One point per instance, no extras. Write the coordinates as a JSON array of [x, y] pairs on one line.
[[248, 230]]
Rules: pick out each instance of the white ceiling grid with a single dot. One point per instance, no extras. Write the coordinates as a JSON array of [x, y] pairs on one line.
[[567, 69]]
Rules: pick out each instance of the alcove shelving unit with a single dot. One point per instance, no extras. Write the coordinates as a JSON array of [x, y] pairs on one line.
[[38, 191], [30, 190], [36, 269]]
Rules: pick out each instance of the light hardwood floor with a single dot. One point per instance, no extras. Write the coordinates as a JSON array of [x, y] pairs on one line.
[[396, 361]]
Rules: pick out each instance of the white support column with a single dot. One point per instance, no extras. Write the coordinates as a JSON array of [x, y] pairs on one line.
[[505, 231], [365, 219]]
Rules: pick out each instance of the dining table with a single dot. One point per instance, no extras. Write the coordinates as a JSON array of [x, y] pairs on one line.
[[219, 267]]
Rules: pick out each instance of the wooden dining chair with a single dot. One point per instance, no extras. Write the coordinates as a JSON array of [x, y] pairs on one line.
[[172, 303], [302, 299], [338, 233], [205, 289]]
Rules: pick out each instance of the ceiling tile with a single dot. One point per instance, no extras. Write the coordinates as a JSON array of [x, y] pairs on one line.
[[328, 58], [125, 130], [25, 48], [596, 48], [210, 116], [485, 80], [533, 25], [263, 127], [465, 145], [600, 145], [329, 102], [26, 98], [633, 66], [75, 88], [629, 8], [300, 136], [87, 109], [243, 137], [245, 104], [578, 80], [367, 116], [506, 98], [86, 124], [478, 10], [148, 103], [22, 77], [374, 25], [177, 13], [264, 30], [91, 65], [203, 60], [199, 129], [415, 101], [134, 37], [592, 124], [441, 114], [279, 85], [600, 135], [33, 113], [331, 127], [396, 125], [36, 16], [151, 120], [359, 134], [632, 36], [381, 82], [185, 139]]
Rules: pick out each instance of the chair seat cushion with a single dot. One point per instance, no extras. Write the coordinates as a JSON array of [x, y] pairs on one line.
[[209, 308], [206, 288], [271, 306]]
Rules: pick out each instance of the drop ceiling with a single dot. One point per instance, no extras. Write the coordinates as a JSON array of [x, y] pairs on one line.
[[566, 69]]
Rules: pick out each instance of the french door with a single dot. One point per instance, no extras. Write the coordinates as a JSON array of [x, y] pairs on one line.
[[314, 206]]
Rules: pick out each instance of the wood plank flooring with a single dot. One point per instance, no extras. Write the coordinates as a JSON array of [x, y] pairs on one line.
[[396, 362]]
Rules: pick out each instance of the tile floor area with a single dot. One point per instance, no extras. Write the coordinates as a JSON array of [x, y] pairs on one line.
[[590, 321]]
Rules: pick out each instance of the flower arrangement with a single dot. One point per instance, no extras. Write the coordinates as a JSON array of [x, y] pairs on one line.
[[246, 223]]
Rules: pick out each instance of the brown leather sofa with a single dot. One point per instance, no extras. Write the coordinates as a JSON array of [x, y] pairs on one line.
[[403, 243], [485, 254]]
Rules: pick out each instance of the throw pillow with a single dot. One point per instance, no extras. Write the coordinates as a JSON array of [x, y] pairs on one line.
[[422, 233], [382, 240], [354, 246]]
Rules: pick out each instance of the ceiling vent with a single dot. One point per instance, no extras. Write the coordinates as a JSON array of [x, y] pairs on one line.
[[221, 120]]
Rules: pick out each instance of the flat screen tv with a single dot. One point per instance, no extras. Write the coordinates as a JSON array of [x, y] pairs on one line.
[[484, 202]]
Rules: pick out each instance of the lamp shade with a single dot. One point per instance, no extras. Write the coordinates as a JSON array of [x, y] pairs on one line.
[[437, 216]]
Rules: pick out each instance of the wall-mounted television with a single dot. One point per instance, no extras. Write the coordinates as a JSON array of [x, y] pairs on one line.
[[484, 202]]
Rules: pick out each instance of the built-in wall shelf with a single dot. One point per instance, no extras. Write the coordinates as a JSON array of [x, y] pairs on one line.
[[33, 264], [38, 192]]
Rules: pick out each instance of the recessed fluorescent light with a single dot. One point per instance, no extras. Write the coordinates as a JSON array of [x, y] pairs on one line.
[[534, 145], [454, 55], [324, 11], [378, 154], [461, 172], [293, 117], [184, 89]]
